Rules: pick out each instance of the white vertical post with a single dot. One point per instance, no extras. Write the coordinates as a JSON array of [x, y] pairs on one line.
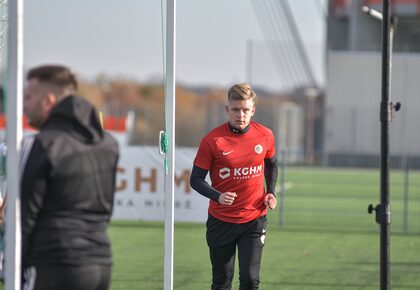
[[14, 136], [170, 129]]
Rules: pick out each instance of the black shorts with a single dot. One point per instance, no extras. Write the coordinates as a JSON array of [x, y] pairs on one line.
[[220, 233], [92, 277], [224, 240]]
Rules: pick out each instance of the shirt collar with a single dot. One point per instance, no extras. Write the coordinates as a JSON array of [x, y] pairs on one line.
[[239, 131]]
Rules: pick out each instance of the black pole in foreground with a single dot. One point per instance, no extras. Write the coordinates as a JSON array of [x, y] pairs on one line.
[[383, 210], [385, 116]]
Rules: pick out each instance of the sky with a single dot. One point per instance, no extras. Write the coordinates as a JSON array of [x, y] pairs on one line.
[[124, 39]]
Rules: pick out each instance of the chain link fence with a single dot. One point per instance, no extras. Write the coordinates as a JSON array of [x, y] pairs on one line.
[[336, 196]]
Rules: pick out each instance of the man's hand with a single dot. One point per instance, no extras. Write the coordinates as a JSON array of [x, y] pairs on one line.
[[270, 200], [227, 198]]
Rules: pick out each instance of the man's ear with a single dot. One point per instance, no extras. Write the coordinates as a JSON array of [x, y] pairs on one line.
[[227, 108], [50, 101], [253, 110]]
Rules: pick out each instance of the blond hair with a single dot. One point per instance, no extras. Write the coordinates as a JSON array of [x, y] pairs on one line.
[[241, 92]]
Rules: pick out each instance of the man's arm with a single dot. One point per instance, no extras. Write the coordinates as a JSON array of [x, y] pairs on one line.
[[198, 183], [33, 189], [270, 174]]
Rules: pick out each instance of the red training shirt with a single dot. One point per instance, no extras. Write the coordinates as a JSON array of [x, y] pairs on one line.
[[236, 164]]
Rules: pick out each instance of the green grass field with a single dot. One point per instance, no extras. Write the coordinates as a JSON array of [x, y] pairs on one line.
[[293, 259], [328, 240]]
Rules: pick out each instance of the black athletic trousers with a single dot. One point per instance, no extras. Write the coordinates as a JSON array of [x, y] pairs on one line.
[[223, 238], [95, 277]]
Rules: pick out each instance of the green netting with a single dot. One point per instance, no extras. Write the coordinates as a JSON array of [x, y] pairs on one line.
[[163, 135]]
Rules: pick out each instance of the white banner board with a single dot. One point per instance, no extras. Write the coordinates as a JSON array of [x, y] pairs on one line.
[[140, 186]]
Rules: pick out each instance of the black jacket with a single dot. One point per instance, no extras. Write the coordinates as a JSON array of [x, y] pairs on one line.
[[67, 189]]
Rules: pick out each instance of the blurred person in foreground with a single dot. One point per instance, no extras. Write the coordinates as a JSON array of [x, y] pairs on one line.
[[67, 187], [240, 156]]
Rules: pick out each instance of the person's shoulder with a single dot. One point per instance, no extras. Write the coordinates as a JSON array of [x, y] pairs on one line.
[[219, 131], [215, 134], [111, 140], [28, 138], [27, 141], [48, 135], [261, 128]]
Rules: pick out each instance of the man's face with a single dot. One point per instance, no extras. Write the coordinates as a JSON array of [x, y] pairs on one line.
[[36, 103], [240, 113]]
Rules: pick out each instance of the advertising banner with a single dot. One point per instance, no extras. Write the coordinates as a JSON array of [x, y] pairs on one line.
[[140, 193]]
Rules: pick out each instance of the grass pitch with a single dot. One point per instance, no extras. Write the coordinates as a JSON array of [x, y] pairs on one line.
[[292, 260], [327, 242]]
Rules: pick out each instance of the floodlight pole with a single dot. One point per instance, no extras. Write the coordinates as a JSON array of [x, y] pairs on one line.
[[383, 210]]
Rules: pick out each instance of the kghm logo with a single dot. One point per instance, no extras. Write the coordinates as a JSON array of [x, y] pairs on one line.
[[241, 173], [224, 172]]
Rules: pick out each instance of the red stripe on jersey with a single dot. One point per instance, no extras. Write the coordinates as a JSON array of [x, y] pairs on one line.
[[236, 164]]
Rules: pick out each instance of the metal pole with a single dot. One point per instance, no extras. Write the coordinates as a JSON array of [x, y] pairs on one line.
[[383, 210], [386, 112], [406, 196], [283, 186], [170, 128], [353, 25], [14, 137]]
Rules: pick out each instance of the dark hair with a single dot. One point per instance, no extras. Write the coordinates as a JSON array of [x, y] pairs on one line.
[[56, 75]]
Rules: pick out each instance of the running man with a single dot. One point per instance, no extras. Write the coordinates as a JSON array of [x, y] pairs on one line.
[[240, 156]]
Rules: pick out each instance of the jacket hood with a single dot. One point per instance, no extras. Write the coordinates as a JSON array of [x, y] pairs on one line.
[[77, 116]]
